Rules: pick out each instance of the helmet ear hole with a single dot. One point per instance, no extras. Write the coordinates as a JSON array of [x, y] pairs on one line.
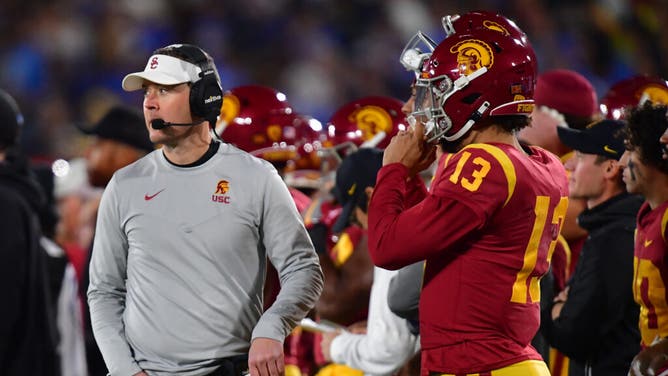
[[471, 98]]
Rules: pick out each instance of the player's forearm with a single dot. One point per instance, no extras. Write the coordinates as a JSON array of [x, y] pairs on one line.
[[441, 222], [387, 246], [371, 356]]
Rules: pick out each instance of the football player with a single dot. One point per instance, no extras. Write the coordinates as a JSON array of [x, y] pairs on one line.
[[646, 173], [491, 219]]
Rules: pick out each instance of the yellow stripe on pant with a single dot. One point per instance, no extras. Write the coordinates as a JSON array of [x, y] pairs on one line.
[[525, 368]]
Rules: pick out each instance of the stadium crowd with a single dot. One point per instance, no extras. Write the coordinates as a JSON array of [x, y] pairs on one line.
[[392, 187]]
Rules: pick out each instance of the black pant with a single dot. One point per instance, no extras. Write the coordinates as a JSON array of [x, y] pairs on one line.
[[232, 366]]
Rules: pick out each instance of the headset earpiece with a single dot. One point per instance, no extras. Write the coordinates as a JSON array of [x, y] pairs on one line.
[[206, 94]]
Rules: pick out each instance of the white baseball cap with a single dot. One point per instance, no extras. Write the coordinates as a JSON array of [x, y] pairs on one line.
[[163, 70]]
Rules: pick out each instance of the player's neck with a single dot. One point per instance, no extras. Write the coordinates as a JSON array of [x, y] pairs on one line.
[[658, 192], [493, 134]]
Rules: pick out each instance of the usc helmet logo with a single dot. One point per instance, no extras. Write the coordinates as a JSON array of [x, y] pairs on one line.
[[491, 25], [654, 93], [274, 132], [472, 54], [222, 187], [371, 120], [229, 109]]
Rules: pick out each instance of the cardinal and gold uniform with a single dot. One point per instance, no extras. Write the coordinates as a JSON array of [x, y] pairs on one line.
[[487, 228]]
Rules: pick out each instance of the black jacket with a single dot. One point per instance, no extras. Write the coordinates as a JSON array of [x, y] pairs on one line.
[[598, 324], [27, 324]]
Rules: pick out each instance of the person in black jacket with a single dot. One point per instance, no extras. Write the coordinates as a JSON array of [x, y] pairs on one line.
[[594, 320], [119, 138], [27, 323]]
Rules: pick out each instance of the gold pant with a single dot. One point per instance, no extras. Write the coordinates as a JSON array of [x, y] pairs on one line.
[[525, 368]]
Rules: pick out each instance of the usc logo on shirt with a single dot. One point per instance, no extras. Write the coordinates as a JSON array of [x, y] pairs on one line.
[[219, 195]]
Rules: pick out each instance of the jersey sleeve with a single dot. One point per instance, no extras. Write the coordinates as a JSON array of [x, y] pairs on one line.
[[107, 290], [291, 252], [399, 236], [475, 183]]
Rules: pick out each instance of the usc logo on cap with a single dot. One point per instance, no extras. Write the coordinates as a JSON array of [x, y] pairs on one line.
[[371, 120], [472, 54], [154, 62], [219, 195]]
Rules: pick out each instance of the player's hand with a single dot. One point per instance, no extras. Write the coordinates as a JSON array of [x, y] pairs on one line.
[[265, 357], [410, 149], [358, 327], [326, 344], [651, 361]]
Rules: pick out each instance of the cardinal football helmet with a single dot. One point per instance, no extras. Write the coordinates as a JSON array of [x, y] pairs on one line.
[[369, 121], [632, 92], [486, 67], [260, 121]]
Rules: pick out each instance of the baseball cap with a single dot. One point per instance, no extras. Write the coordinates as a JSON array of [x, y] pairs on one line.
[[356, 172], [603, 137], [11, 120], [566, 91], [123, 124], [163, 70]]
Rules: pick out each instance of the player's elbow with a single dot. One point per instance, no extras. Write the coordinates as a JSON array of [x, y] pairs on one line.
[[382, 261]]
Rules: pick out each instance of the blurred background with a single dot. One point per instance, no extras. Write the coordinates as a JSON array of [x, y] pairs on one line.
[[64, 60]]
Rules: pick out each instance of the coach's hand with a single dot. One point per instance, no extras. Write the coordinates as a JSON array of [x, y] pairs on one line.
[[652, 360], [266, 358]]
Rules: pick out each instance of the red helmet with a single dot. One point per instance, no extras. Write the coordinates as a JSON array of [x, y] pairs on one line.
[[632, 92], [420, 46], [369, 121], [487, 67], [259, 120]]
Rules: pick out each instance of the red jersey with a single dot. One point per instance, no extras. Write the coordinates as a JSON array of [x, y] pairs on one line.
[[302, 201], [650, 272], [487, 229]]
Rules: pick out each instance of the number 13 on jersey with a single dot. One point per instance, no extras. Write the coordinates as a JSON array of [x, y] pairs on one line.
[[531, 254]]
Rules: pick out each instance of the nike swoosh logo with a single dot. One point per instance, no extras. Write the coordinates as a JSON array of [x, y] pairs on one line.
[[608, 149], [648, 242], [147, 197]]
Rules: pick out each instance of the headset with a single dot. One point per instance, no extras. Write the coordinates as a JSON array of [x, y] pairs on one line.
[[206, 94]]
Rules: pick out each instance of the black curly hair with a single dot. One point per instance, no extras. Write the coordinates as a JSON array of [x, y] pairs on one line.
[[645, 124]]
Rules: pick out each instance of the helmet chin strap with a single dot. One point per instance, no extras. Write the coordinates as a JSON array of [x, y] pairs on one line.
[[467, 126]]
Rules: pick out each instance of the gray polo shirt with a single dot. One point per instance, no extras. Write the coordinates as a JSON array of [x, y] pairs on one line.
[[179, 261]]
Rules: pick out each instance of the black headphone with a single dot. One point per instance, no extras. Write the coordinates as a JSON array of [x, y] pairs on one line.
[[206, 94]]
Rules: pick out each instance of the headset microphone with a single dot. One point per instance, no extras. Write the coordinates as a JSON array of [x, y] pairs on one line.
[[160, 124]]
